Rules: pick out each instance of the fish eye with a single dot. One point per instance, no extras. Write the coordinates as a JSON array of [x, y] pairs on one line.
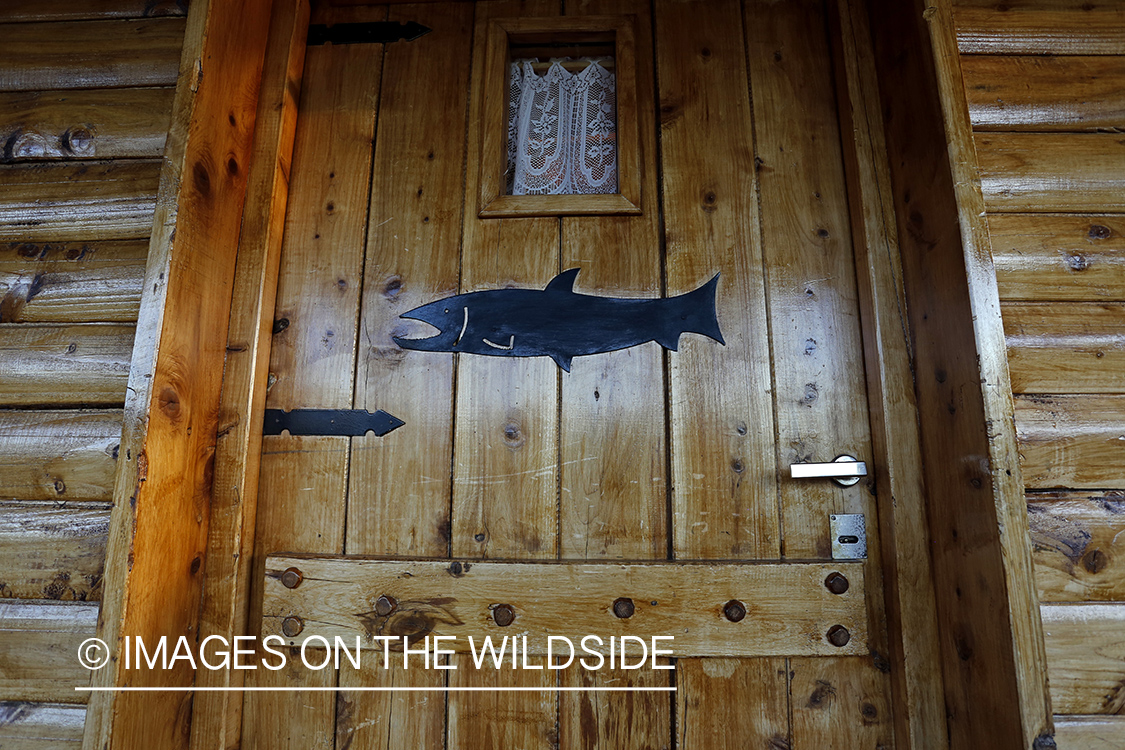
[[447, 309]]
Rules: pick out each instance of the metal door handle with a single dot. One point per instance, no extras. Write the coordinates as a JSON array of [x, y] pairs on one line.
[[844, 471]]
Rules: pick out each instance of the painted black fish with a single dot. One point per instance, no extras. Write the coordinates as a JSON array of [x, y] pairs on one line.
[[559, 323]]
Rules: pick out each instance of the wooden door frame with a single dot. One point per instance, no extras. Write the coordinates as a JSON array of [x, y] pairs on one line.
[[894, 101]]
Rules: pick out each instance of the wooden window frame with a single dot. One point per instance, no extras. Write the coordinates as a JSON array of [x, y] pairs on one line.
[[494, 156]]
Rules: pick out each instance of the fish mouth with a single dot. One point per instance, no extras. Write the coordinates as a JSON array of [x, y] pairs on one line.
[[433, 342]]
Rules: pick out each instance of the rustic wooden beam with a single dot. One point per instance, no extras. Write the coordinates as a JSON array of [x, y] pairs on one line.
[[38, 649], [217, 716], [1085, 658], [158, 527], [77, 365], [22, 11], [50, 551], [1071, 440], [1040, 27], [26, 725], [1079, 544], [59, 455], [911, 609], [788, 607], [991, 637], [1066, 347]]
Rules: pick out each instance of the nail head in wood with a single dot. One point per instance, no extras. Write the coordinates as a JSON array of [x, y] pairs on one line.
[[734, 610], [837, 583], [385, 605], [503, 615], [292, 626], [291, 578], [624, 608], [839, 636]]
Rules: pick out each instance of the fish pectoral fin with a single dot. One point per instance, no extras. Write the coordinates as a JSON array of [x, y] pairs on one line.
[[564, 282], [561, 360], [669, 341], [508, 348]]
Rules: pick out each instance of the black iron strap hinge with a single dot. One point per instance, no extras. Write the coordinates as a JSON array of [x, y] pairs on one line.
[[345, 422], [376, 32]]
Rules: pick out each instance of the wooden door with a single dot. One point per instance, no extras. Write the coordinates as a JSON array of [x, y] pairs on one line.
[[640, 454]]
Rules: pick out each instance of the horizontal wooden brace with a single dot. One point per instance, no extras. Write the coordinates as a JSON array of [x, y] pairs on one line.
[[711, 609]]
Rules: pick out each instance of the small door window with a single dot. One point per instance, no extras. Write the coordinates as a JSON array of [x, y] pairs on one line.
[[560, 118]]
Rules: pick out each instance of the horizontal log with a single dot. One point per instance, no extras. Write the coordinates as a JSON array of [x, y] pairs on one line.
[[788, 607], [1079, 545], [1059, 347], [71, 282], [50, 365], [81, 201], [1085, 657], [59, 455], [1044, 257], [90, 54], [1071, 441], [84, 124], [22, 11], [1040, 27], [40, 726], [1052, 171], [1090, 732], [39, 650], [49, 551], [1039, 93]]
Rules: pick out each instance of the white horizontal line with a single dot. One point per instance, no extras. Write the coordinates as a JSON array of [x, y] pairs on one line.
[[321, 689]]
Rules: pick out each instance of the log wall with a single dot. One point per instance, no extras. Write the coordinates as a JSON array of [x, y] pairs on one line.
[[1045, 83], [85, 103]]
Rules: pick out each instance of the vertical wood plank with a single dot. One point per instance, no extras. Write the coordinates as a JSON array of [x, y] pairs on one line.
[[399, 489], [303, 480], [613, 460], [722, 423], [217, 716], [158, 527], [505, 467], [819, 381]]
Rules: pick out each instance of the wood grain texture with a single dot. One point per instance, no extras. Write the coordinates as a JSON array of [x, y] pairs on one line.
[[15, 11], [613, 501], [71, 282], [910, 609], [90, 54], [790, 607], [38, 645], [722, 432], [1066, 347], [400, 485], [1071, 441], [302, 488], [49, 365], [1040, 27], [836, 701], [1089, 732], [980, 550], [1037, 93], [818, 374], [1086, 657], [758, 685], [217, 716], [158, 529], [1052, 171], [1079, 545], [50, 551], [94, 124], [79, 201], [1046, 257], [41, 726], [59, 455], [505, 497]]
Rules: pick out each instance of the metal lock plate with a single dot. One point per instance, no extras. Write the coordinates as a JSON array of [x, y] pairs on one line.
[[849, 536]]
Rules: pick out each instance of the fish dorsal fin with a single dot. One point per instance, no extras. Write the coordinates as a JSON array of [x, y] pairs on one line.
[[564, 282]]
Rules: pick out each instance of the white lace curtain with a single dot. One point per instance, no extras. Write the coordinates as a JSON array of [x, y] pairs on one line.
[[562, 130]]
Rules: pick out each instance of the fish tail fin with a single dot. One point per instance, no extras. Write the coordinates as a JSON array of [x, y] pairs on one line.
[[697, 312]]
